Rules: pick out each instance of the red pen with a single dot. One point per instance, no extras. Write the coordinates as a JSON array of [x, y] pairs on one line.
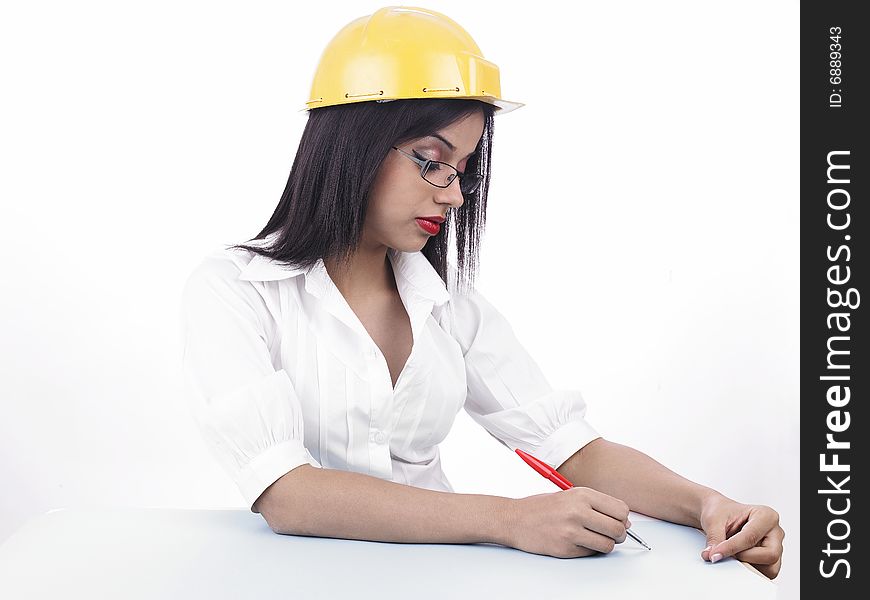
[[553, 475]]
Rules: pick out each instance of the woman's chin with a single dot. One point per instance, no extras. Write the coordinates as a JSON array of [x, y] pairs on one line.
[[409, 245]]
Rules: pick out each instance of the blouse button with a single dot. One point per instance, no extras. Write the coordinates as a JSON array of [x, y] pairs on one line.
[[378, 437]]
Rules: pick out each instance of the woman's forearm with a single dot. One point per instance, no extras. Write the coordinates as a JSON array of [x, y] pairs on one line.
[[647, 486], [344, 504]]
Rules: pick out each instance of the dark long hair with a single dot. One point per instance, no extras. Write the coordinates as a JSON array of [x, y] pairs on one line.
[[323, 207]]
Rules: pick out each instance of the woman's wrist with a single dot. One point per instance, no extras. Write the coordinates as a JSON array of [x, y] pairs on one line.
[[706, 498], [502, 523]]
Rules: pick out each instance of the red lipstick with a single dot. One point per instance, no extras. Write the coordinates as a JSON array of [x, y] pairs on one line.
[[428, 224]]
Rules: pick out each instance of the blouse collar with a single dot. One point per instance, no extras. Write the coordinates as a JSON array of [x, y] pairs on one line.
[[413, 271]]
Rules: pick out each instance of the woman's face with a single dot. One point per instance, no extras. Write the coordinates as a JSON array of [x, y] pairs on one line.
[[399, 195]]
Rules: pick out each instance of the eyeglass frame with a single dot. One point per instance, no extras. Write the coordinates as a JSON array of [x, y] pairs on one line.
[[424, 167]]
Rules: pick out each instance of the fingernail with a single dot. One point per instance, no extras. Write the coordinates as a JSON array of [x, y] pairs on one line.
[[715, 557], [707, 549]]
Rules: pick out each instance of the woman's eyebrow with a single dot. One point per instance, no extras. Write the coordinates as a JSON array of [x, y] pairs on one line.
[[447, 143]]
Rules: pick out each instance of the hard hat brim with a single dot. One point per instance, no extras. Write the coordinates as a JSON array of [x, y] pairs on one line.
[[502, 106]]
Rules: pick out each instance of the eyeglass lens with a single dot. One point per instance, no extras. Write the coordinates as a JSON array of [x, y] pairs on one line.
[[443, 175]]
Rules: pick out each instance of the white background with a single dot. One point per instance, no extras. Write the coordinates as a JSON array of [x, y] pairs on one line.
[[642, 235]]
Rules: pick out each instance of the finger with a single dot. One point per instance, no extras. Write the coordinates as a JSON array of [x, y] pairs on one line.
[[759, 555], [605, 525], [610, 506], [755, 530], [715, 535], [595, 541], [770, 571], [577, 552], [767, 552]]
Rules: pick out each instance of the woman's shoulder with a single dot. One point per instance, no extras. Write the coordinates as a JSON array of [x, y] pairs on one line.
[[230, 270], [223, 262], [218, 284], [468, 312]]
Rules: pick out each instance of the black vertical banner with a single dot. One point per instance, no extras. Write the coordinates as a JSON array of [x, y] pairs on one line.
[[835, 370]]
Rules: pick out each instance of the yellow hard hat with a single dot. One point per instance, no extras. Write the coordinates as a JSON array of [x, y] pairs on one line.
[[404, 52]]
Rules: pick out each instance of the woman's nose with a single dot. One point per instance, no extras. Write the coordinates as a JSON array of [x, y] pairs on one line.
[[451, 195]]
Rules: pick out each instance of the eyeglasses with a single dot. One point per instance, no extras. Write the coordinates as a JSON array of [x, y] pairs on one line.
[[442, 176]]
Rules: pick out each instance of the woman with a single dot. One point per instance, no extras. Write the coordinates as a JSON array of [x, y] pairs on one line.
[[327, 359]]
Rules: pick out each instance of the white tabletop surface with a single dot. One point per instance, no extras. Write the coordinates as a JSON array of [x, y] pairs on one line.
[[128, 553]]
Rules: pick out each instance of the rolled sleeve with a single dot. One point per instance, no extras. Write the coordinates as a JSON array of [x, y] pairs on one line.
[[247, 412], [508, 394]]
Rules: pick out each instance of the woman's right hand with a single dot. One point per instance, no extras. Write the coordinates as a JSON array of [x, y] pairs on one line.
[[570, 523]]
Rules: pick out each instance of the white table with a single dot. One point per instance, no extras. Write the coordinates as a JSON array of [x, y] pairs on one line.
[[128, 553]]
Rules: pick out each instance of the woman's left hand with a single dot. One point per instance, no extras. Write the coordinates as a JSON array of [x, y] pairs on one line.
[[748, 532]]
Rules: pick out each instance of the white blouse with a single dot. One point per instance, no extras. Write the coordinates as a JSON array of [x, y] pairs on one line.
[[279, 372]]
